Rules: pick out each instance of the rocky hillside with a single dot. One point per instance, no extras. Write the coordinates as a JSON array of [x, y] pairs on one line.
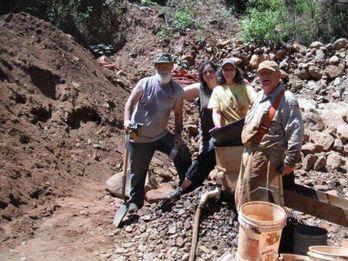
[[60, 137]]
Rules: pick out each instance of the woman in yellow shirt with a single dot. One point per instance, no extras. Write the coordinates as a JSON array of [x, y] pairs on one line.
[[231, 100]]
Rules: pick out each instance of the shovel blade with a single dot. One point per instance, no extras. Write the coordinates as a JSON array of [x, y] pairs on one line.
[[121, 212]]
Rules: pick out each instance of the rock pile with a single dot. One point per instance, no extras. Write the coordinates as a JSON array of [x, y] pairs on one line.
[[319, 70], [325, 148], [165, 232]]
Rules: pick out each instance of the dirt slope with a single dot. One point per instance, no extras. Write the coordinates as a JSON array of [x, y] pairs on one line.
[[59, 114]]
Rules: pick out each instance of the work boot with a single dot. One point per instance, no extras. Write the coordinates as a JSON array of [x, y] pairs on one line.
[[175, 194], [133, 208]]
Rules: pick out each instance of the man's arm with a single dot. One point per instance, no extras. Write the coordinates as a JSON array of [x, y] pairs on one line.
[[135, 96], [178, 117], [294, 130]]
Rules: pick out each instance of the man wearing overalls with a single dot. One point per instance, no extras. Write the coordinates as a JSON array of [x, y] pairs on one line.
[[272, 136]]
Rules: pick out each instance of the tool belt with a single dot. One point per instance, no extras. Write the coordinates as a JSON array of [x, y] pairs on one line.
[[253, 147]]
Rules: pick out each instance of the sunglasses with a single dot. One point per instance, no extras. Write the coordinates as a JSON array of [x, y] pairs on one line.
[[164, 66]]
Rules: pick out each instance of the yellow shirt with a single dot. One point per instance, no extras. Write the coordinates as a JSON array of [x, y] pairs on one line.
[[233, 100]]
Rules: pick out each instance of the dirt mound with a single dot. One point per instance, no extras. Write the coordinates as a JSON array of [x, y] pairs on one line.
[[58, 112]]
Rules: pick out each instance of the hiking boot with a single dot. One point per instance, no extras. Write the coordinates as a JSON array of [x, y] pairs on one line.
[[133, 208], [175, 194]]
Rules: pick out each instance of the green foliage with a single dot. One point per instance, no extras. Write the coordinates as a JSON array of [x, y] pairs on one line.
[[90, 22], [147, 2], [181, 62], [262, 21], [266, 5], [200, 38], [299, 20], [224, 13], [303, 24], [183, 20], [335, 17], [56, 13], [164, 32]]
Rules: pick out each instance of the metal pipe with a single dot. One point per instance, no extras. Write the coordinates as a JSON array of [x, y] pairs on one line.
[[216, 193]]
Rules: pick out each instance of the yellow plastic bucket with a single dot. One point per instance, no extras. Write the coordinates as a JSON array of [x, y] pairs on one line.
[[291, 257], [324, 253], [260, 229]]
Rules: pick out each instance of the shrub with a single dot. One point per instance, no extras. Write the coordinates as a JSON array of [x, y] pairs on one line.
[[182, 20], [304, 23], [147, 2], [262, 23], [261, 26], [300, 20]]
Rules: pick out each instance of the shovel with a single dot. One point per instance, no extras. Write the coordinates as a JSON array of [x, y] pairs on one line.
[[122, 211], [133, 134]]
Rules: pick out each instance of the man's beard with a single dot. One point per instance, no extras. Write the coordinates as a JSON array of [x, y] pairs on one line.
[[165, 77]]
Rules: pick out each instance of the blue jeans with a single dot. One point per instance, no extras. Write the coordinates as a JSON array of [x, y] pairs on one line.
[[201, 167], [140, 155]]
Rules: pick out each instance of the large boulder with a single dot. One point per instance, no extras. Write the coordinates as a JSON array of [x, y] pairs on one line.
[[157, 194], [320, 163], [311, 148], [334, 160], [114, 184], [340, 43], [332, 115], [342, 132], [323, 138], [320, 56], [313, 121], [315, 72], [334, 60], [308, 162], [300, 48], [256, 59], [333, 71], [302, 74], [316, 45]]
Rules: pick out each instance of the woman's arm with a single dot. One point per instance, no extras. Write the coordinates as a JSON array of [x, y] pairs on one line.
[[217, 118]]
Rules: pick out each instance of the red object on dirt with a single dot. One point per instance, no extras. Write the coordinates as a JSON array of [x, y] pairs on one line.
[[184, 77]]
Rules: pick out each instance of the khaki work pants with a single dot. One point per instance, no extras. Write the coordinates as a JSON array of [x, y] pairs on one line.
[[259, 176]]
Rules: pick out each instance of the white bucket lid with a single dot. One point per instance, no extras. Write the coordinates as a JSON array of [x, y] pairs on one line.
[[328, 251]]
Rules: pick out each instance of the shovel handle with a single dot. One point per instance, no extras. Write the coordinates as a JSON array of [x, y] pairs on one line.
[[125, 166]]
